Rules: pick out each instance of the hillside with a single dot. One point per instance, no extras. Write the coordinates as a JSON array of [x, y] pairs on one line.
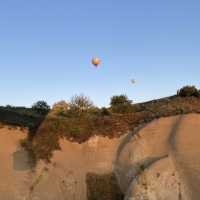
[[43, 129], [159, 161], [146, 153], [80, 129], [21, 116]]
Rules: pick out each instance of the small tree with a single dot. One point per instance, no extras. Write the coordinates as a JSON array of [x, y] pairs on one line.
[[80, 104], [60, 108], [41, 107], [121, 104], [188, 91]]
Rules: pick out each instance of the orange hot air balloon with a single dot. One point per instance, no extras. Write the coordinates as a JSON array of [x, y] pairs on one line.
[[96, 61]]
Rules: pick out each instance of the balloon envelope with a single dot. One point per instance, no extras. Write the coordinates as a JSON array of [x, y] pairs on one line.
[[132, 81], [96, 61]]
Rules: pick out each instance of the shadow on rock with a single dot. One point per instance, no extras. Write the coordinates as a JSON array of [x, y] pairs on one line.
[[21, 160]]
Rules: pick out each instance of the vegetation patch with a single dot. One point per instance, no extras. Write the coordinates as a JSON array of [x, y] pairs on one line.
[[103, 187], [21, 116], [188, 91], [79, 127], [79, 120]]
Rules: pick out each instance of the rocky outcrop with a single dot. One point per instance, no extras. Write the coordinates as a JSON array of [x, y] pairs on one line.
[[161, 160], [158, 161], [62, 179]]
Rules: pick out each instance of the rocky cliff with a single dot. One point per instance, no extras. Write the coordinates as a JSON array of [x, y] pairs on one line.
[[156, 161]]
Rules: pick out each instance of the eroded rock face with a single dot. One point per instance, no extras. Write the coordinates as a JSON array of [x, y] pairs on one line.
[[141, 150], [160, 181], [64, 178], [14, 164], [70, 166], [160, 162]]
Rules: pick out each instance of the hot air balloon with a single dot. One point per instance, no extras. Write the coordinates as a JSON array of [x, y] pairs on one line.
[[96, 61], [132, 81]]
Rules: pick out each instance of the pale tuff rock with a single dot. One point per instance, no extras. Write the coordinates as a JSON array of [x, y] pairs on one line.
[[160, 162]]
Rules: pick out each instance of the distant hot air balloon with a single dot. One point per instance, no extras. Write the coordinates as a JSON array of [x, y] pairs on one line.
[[96, 61], [132, 81]]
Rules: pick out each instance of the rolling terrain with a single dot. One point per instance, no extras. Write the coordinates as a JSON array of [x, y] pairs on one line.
[[151, 153]]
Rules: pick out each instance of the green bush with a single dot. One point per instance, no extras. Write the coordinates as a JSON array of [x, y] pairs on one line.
[[121, 104], [188, 91], [41, 107]]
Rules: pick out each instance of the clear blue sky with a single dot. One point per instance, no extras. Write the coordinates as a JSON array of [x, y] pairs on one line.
[[46, 47]]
